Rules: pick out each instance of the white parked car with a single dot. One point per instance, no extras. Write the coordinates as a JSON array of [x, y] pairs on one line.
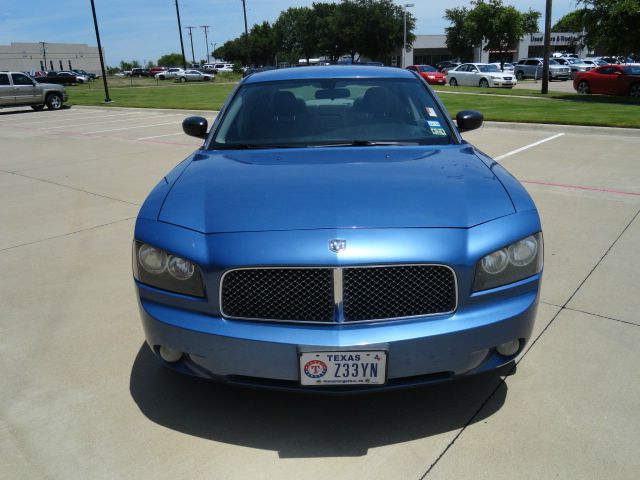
[[480, 75], [167, 74], [508, 67], [223, 67], [193, 76]]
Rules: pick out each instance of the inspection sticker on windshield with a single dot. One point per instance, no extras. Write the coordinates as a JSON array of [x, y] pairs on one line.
[[433, 123], [438, 131], [343, 368], [430, 111]]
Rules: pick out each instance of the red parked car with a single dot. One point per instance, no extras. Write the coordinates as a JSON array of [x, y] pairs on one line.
[[609, 80], [430, 74], [155, 70]]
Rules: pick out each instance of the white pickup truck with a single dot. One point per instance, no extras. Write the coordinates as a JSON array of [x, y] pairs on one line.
[[18, 89]]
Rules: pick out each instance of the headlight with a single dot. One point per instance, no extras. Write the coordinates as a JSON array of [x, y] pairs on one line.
[[512, 263], [163, 270], [430, 77]]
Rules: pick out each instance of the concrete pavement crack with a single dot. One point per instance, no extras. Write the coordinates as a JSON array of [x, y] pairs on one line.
[[66, 234], [563, 307], [69, 187]]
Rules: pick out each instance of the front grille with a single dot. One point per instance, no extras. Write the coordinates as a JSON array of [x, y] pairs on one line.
[[338, 295], [279, 294], [507, 78]]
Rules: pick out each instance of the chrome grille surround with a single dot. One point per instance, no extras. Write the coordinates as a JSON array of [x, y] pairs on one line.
[[341, 299]]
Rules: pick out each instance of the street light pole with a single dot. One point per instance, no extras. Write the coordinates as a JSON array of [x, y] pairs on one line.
[[404, 43], [104, 73], [206, 39], [246, 31], [184, 59], [213, 51], [547, 48]]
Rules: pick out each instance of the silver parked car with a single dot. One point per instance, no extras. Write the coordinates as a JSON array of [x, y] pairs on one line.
[[168, 74], [18, 89], [575, 64], [193, 76], [532, 68]]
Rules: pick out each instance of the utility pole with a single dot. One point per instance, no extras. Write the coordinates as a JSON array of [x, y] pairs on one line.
[[44, 53], [206, 39], [547, 48], [246, 31], [193, 55], [104, 74], [184, 60], [404, 44]]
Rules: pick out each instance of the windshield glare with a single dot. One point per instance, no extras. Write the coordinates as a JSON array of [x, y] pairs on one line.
[[307, 113], [488, 68]]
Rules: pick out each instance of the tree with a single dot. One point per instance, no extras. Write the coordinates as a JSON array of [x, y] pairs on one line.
[[459, 40], [295, 34], [170, 60], [612, 25], [571, 22], [129, 65], [492, 24], [262, 45]]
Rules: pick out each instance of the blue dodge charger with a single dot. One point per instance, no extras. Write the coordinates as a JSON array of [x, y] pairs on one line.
[[334, 232]]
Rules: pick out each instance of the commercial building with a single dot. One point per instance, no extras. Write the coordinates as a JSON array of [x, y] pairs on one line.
[[431, 49], [27, 57]]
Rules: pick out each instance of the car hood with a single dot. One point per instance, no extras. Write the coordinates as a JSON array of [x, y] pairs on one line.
[[334, 187]]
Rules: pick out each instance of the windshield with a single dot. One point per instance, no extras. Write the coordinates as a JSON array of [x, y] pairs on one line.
[[332, 112], [553, 62], [426, 68], [488, 68]]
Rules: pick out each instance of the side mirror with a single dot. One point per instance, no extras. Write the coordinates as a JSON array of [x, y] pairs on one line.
[[469, 120], [195, 126]]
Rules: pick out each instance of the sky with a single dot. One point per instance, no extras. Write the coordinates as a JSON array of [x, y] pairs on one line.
[[144, 30]]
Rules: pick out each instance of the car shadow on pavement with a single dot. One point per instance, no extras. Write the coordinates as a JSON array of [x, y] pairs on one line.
[[298, 425]]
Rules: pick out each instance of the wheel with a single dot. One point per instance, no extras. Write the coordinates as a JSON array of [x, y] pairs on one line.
[[161, 77], [520, 76], [484, 83], [37, 108], [453, 82], [182, 79], [634, 91], [54, 101], [583, 88]]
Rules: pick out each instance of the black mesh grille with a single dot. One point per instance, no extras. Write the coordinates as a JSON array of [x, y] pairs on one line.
[[369, 293], [391, 292], [279, 294]]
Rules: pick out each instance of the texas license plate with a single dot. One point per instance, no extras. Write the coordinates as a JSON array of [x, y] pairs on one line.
[[343, 368]]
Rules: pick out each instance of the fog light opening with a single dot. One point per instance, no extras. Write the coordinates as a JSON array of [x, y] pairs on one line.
[[169, 354], [508, 349]]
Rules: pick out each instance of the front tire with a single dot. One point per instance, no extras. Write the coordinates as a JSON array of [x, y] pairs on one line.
[[453, 82], [161, 77], [520, 76], [54, 101], [634, 91], [182, 79], [484, 83], [583, 88]]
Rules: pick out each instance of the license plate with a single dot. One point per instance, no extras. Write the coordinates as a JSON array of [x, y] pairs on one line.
[[343, 368]]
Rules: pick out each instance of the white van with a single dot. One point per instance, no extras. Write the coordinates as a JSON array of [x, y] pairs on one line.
[[223, 67]]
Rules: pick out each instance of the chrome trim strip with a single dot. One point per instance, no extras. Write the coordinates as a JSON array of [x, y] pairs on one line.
[[338, 295], [335, 322]]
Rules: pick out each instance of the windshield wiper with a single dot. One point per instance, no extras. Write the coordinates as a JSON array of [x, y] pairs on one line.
[[251, 146], [363, 143]]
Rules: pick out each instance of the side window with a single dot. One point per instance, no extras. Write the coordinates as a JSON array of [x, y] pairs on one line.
[[531, 62], [473, 68], [19, 79], [607, 70], [4, 79], [463, 68]]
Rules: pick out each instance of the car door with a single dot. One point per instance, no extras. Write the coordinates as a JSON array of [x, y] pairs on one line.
[[459, 73], [7, 97], [24, 90], [603, 80], [472, 77]]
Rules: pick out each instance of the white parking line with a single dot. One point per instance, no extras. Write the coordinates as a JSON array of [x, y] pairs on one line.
[[112, 121], [32, 115], [128, 128], [159, 136], [526, 147]]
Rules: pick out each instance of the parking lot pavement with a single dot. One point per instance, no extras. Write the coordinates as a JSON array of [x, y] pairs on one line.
[[82, 397]]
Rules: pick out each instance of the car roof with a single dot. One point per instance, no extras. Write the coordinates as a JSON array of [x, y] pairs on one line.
[[304, 73]]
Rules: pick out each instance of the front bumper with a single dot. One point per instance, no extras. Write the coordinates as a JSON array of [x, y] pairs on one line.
[[423, 350]]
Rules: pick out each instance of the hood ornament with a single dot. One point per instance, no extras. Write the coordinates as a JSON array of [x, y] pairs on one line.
[[337, 245]]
